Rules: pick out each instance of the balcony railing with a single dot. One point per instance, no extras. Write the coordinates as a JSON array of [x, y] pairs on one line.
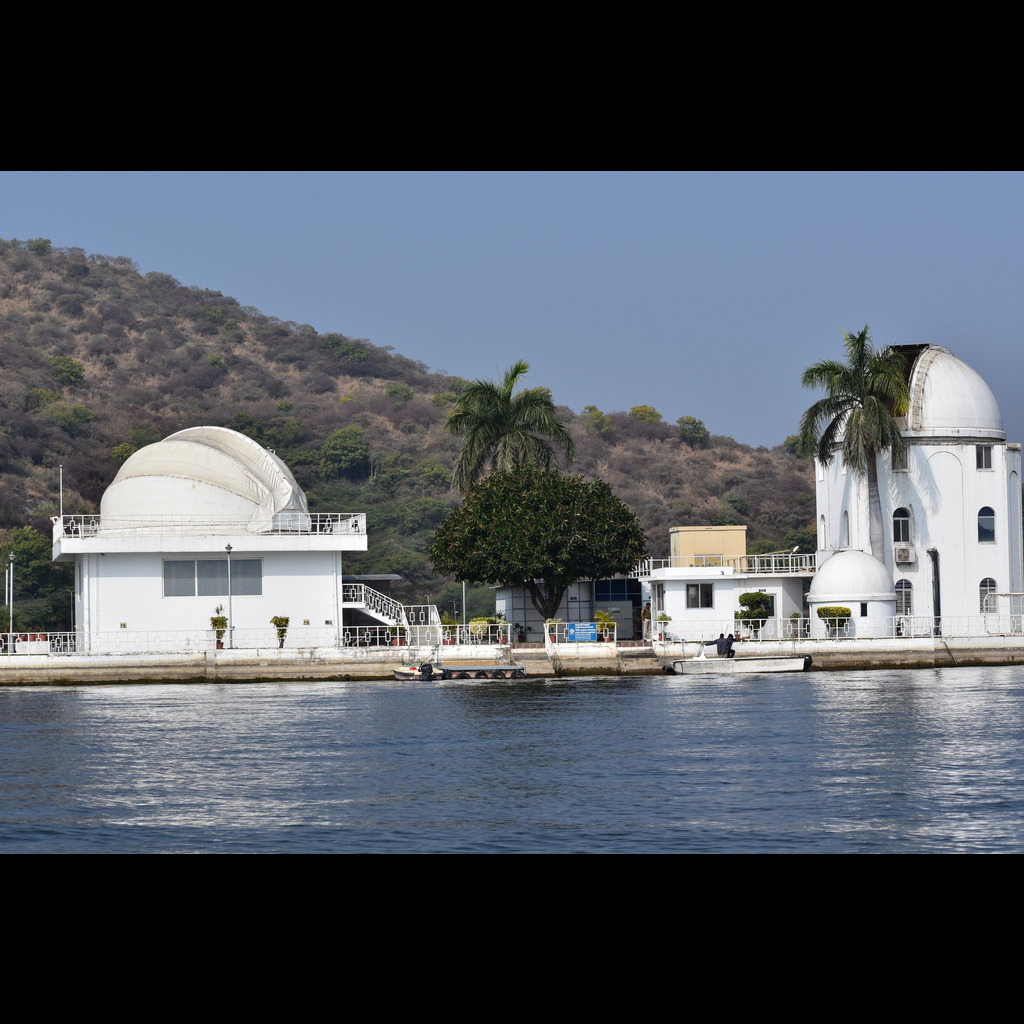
[[284, 524]]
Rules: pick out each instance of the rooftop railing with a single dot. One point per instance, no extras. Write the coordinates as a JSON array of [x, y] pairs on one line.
[[283, 524], [770, 565]]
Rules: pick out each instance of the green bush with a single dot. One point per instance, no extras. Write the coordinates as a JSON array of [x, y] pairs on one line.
[[834, 612]]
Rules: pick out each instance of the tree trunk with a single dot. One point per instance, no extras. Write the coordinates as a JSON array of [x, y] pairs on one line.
[[545, 598], [875, 511]]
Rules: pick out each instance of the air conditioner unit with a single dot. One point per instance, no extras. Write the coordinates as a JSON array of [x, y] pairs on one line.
[[905, 554]]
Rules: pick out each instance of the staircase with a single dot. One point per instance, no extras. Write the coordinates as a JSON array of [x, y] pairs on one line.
[[421, 621]]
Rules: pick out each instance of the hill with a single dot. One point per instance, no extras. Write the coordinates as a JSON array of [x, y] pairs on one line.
[[99, 360]]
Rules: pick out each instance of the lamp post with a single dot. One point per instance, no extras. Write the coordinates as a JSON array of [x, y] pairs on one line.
[[10, 605], [231, 617]]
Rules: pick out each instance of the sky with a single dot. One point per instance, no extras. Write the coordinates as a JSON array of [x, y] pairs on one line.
[[702, 294]]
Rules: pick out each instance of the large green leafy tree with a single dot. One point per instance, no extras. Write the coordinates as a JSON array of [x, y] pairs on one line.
[[540, 531], [858, 415], [506, 429]]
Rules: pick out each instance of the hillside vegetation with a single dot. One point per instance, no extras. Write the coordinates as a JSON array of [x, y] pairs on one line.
[[99, 360]]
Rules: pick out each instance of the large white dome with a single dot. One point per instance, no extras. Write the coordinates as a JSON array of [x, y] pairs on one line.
[[949, 399], [851, 575], [206, 474]]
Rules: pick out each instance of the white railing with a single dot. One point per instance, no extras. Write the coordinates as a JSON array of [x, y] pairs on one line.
[[424, 623], [768, 565], [893, 627], [374, 636], [373, 600], [285, 524], [39, 643], [477, 633], [198, 641]]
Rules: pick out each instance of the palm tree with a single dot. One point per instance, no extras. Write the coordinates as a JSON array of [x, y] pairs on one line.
[[505, 429], [863, 397]]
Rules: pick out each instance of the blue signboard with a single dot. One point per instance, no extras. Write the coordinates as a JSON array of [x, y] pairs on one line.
[[581, 631]]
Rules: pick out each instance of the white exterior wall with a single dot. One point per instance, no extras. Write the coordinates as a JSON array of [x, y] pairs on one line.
[[943, 491], [668, 594], [121, 595]]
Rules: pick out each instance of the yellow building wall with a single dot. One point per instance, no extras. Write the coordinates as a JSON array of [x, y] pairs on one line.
[[707, 545]]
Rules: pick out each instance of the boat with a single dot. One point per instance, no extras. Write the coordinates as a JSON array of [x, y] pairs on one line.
[[753, 664], [429, 671]]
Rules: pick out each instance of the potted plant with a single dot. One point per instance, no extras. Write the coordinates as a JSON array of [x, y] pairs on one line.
[[521, 631], [280, 622], [663, 621], [605, 624], [219, 621], [552, 627], [398, 637]]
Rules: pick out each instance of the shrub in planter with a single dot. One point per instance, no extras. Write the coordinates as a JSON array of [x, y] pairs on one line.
[[835, 616], [756, 608]]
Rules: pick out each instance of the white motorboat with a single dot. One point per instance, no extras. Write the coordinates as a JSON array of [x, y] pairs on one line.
[[740, 665]]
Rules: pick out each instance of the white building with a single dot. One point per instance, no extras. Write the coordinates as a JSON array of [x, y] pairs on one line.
[[696, 591], [952, 523], [951, 509], [208, 519]]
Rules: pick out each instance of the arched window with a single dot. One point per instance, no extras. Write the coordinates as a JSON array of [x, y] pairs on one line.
[[901, 526], [904, 598], [844, 537], [986, 526], [987, 590], [822, 536]]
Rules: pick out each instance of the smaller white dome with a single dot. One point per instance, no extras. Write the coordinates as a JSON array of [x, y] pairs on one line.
[[851, 575]]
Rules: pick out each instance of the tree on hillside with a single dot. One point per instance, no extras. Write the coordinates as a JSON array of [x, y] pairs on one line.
[[693, 431], [857, 416], [506, 429], [645, 414], [540, 531], [344, 453]]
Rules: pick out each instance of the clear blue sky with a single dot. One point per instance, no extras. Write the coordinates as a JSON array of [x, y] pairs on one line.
[[703, 294]]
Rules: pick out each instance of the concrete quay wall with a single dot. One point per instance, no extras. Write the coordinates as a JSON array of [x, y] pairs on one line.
[[236, 666], [240, 666]]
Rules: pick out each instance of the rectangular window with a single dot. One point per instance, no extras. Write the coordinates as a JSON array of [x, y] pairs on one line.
[[899, 460], [179, 579], [208, 577], [983, 456], [247, 577], [699, 595], [212, 576]]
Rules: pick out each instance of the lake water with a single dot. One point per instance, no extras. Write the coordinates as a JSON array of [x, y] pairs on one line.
[[824, 762]]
